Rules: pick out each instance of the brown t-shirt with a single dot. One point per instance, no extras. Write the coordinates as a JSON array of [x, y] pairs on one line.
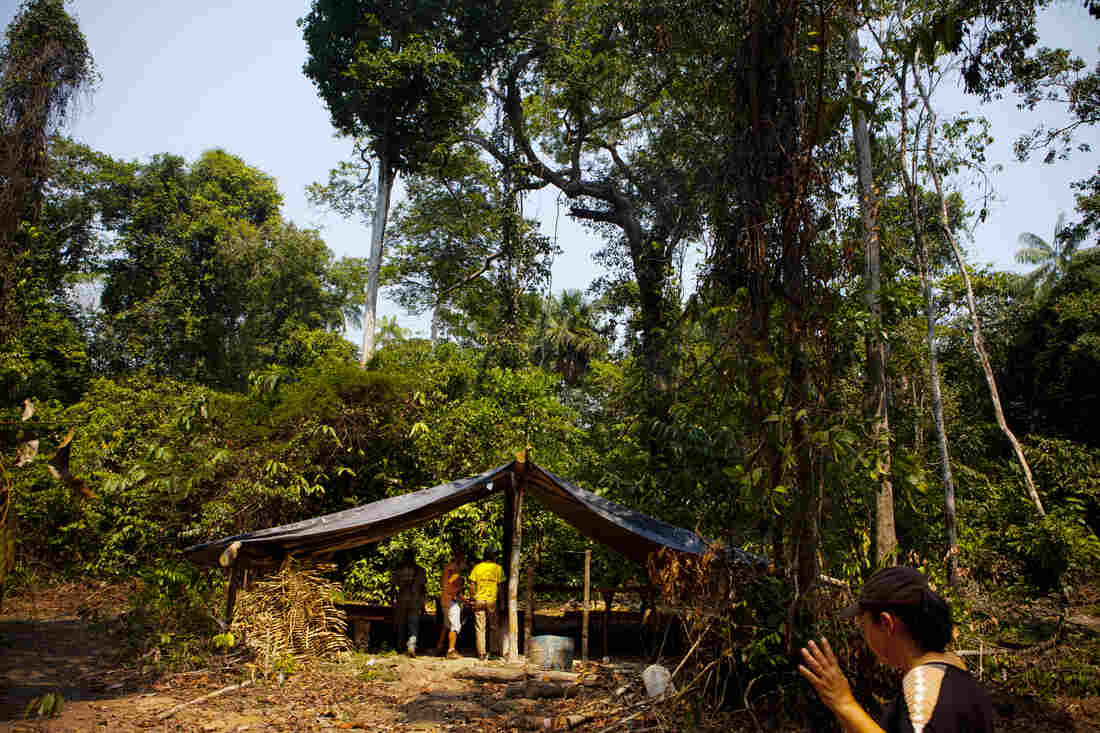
[[939, 698]]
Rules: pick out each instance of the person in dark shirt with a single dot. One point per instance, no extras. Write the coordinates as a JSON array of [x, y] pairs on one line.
[[907, 625], [409, 589]]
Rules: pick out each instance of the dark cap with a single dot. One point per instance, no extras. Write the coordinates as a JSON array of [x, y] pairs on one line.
[[890, 587]]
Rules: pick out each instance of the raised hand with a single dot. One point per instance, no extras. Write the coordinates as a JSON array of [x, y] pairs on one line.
[[822, 671]]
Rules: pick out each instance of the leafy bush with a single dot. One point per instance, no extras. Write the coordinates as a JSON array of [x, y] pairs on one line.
[[173, 613], [1007, 542]]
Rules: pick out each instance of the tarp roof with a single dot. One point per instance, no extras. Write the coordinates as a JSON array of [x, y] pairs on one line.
[[629, 532]]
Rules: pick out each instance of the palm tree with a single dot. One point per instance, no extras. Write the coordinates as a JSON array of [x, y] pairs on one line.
[[568, 336], [390, 331], [1052, 258]]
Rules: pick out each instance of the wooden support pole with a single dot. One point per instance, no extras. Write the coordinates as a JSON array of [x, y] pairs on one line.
[[231, 595], [608, 598], [587, 598], [529, 614], [507, 483], [516, 531]]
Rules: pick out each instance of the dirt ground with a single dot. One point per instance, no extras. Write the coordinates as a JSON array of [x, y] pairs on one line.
[[373, 693], [48, 645]]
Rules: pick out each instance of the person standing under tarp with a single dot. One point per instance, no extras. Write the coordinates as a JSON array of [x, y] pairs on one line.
[[410, 585], [450, 602], [485, 579]]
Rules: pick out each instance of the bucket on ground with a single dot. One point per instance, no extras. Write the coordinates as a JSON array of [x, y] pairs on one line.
[[551, 652], [657, 680]]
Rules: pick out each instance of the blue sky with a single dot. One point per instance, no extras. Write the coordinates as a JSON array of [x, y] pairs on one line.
[[184, 77]]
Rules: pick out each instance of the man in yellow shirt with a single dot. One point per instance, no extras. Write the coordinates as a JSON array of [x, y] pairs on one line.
[[484, 580], [450, 602]]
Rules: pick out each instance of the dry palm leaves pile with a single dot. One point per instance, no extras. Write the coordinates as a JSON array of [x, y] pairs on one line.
[[292, 614]]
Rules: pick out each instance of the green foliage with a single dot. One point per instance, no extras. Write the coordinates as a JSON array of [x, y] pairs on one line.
[[174, 594], [1006, 542], [45, 706], [44, 64], [1055, 354], [1087, 198], [457, 245], [209, 282], [368, 580], [993, 37], [367, 669], [173, 464], [348, 191], [284, 665], [171, 621], [48, 360], [406, 76], [569, 337], [224, 641]]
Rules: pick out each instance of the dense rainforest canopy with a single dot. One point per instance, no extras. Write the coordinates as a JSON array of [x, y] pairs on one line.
[[837, 387]]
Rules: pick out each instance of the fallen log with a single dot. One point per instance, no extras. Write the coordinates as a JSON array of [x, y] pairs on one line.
[[516, 674], [554, 675], [533, 689], [538, 722], [172, 711], [492, 674]]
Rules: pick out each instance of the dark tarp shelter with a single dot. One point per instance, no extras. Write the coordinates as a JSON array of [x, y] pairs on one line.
[[631, 533]]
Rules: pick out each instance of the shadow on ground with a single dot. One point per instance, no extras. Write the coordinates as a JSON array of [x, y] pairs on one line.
[[430, 710], [58, 655]]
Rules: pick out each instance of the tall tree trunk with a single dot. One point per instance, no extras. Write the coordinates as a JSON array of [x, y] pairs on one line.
[[886, 539], [921, 246], [949, 524], [975, 321], [374, 267], [806, 529]]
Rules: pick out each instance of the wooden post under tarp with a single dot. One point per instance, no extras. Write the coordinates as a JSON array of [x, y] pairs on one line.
[[506, 482], [514, 501], [228, 559], [608, 598], [529, 614], [235, 576], [587, 598]]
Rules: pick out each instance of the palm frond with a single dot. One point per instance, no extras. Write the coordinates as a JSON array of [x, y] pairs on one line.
[[1033, 255], [292, 613], [1059, 224], [1027, 240]]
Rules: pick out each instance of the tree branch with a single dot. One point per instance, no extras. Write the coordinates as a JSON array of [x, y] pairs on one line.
[[581, 212], [470, 278]]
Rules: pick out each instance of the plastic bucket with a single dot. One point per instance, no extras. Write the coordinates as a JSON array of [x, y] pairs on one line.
[[657, 680], [551, 652]]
